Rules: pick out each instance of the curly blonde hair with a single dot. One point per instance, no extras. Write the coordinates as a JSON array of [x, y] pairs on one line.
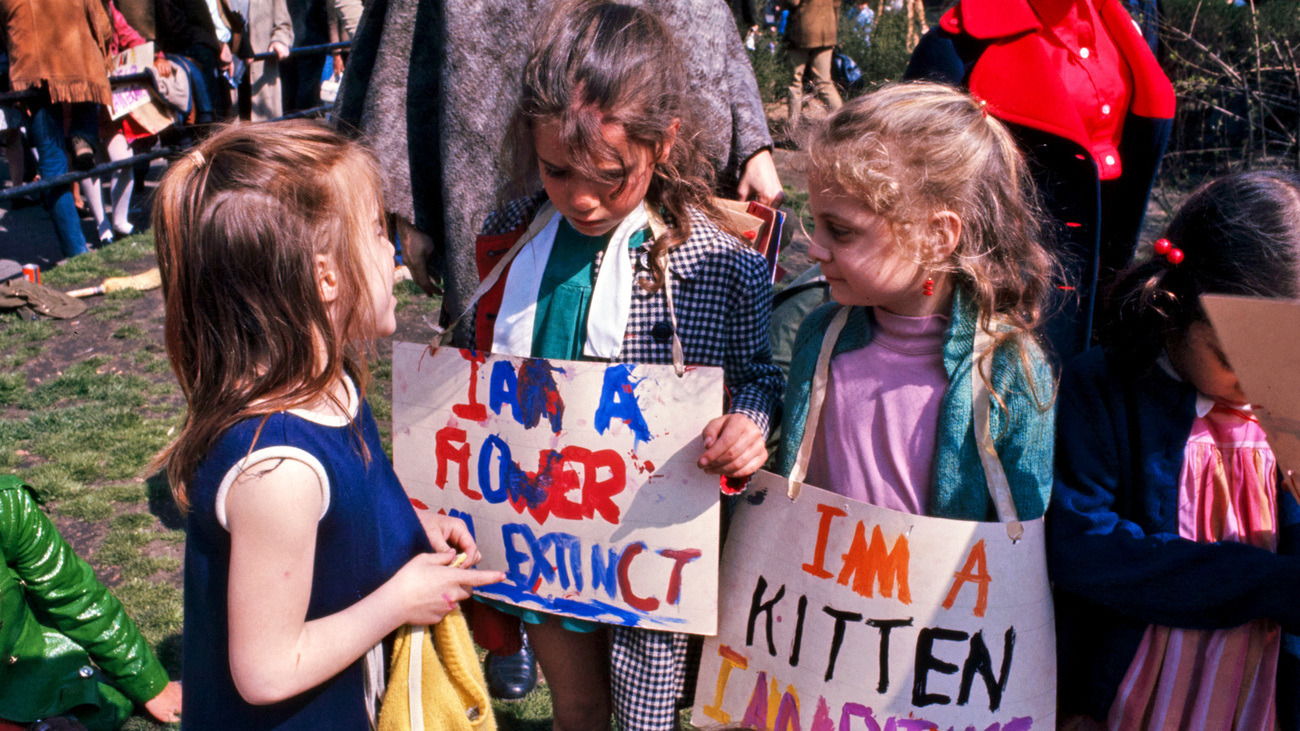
[[911, 150]]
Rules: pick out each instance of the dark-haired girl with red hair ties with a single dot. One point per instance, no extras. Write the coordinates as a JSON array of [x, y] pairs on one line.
[[1174, 554]]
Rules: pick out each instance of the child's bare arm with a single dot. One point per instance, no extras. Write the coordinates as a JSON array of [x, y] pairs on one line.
[[275, 653]]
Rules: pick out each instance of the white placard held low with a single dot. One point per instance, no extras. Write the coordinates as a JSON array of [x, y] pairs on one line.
[[579, 480], [842, 615]]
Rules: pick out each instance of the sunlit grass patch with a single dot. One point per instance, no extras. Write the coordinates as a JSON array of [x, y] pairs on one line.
[[14, 329]]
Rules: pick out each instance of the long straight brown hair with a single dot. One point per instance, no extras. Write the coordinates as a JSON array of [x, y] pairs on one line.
[[238, 223], [595, 63]]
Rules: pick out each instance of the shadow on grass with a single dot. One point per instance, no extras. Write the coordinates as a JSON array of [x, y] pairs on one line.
[[161, 502]]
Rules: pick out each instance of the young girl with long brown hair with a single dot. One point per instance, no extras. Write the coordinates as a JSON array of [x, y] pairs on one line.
[[927, 234], [302, 550], [622, 260]]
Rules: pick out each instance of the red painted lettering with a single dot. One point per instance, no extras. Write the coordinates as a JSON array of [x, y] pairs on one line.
[[445, 451], [818, 566], [680, 558], [474, 411], [645, 604]]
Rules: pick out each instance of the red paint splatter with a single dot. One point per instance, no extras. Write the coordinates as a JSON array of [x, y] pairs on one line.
[[419, 505], [649, 466], [537, 585]]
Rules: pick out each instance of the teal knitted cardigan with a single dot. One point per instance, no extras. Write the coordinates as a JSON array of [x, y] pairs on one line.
[[1023, 433]]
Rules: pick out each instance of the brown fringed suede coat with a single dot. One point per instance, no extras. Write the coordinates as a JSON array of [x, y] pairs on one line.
[[58, 44]]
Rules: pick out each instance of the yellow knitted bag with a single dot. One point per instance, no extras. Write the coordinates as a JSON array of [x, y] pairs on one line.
[[435, 682]]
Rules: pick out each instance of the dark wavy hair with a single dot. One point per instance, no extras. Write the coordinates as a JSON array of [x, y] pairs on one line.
[[596, 63], [238, 223], [1240, 235]]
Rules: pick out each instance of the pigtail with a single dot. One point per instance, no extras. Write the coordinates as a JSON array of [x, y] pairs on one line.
[[1237, 235]]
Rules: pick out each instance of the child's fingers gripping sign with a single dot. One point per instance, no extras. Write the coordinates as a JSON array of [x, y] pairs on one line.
[[431, 587], [448, 534], [733, 446]]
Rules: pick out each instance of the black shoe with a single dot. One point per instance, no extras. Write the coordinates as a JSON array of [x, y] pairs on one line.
[[511, 677]]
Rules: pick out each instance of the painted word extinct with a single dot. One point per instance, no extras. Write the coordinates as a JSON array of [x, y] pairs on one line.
[[577, 479], [847, 617]]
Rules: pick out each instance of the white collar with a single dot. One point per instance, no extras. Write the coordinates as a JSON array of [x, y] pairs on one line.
[[1203, 403], [352, 406]]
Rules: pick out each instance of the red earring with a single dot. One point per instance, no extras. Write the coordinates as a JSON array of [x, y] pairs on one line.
[[928, 288]]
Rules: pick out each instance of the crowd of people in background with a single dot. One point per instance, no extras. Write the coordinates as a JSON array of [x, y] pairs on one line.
[[197, 53]]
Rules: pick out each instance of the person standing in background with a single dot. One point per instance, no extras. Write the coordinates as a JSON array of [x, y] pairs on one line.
[[811, 34], [270, 28], [58, 48]]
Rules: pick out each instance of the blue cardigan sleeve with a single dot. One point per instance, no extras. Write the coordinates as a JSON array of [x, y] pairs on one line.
[[1108, 542]]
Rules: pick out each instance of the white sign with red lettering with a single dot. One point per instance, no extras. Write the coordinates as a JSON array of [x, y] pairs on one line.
[[579, 480]]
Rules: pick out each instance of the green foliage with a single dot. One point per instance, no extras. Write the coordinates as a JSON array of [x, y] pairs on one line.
[[1234, 70], [883, 57], [409, 294]]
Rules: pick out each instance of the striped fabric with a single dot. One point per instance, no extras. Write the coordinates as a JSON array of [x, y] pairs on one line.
[[1213, 679]]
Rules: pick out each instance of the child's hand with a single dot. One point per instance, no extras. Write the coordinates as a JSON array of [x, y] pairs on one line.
[[733, 446], [430, 589], [166, 706], [449, 534]]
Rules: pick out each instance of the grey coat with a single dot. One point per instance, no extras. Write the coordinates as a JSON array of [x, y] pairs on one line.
[[435, 111]]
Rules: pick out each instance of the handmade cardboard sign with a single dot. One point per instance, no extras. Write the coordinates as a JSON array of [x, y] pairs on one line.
[[129, 97], [842, 615], [1261, 338], [578, 480]]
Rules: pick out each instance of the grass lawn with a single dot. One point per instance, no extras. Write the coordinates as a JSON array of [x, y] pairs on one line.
[[84, 406]]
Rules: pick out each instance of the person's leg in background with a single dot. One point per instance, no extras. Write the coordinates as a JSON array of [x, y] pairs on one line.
[[92, 191], [819, 60], [800, 58], [47, 135], [122, 185]]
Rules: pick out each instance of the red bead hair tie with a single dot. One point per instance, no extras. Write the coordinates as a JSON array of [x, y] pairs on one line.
[[1172, 254]]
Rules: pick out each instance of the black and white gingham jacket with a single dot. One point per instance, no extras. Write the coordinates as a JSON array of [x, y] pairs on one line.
[[722, 297]]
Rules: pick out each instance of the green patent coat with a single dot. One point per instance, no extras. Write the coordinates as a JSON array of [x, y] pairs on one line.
[[55, 616]]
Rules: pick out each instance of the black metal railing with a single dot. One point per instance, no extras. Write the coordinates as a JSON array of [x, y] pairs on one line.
[[245, 95]]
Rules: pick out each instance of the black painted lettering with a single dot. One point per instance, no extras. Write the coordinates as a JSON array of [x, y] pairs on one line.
[[838, 638], [978, 661], [926, 662], [798, 631], [885, 625], [756, 607]]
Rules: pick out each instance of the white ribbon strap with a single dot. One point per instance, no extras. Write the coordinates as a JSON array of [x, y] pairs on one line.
[[679, 359], [541, 221], [415, 678], [817, 399], [981, 404]]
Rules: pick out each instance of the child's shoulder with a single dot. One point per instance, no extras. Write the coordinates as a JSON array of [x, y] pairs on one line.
[[711, 245], [512, 215]]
